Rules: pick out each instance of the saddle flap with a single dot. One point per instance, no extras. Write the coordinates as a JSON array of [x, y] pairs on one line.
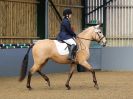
[[62, 48]]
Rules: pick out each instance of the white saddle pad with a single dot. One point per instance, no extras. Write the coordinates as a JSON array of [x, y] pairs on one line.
[[61, 47]]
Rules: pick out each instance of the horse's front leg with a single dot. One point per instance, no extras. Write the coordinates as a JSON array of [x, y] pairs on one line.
[[89, 68], [70, 76], [94, 79]]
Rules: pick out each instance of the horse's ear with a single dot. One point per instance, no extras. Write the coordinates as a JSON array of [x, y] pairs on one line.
[[97, 26]]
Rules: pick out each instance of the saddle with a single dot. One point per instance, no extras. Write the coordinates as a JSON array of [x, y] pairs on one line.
[[65, 48]]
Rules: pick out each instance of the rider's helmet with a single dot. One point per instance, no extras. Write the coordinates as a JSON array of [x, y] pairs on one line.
[[67, 11]]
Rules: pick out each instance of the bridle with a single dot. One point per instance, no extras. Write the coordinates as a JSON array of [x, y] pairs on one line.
[[99, 41], [81, 43], [101, 38]]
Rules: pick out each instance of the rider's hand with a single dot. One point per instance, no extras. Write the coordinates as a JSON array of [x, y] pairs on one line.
[[75, 35]]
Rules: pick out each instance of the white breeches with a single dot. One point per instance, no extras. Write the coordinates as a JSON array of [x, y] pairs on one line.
[[70, 41]]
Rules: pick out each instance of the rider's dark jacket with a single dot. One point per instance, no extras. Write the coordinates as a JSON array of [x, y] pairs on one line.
[[66, 31]]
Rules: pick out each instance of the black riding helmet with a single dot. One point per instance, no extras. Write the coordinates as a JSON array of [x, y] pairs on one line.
[[67, 11]]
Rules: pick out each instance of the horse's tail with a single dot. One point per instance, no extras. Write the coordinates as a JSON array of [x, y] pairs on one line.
[[24, 65]]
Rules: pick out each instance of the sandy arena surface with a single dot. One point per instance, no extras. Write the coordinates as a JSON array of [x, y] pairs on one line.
[[113, 85]]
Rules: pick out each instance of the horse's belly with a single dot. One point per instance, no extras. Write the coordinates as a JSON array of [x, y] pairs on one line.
[[61, 59]]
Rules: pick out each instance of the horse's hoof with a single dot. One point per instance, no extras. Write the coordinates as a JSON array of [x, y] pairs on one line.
[[48, 83], [96, 86], [68, 87], [29, 87]]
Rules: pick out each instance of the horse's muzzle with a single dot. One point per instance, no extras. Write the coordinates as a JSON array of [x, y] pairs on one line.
[[104, 44]]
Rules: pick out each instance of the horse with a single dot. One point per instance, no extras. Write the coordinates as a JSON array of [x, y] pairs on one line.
[[43, 50]]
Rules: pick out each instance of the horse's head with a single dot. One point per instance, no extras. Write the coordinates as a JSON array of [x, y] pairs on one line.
[[93, 33], [98, 35]]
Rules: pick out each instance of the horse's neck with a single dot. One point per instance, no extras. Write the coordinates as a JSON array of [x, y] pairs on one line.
[[84, 44], [86, 34], [85, 40]]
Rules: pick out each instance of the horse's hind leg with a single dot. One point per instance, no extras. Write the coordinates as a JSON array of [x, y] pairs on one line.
[[28, 81], [89, 68], [45, 77], [34, 69], [70, 76]]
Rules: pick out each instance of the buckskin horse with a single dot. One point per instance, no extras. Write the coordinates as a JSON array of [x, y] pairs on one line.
[[43, 50]]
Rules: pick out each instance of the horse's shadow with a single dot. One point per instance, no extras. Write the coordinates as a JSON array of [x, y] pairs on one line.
[[60, 88]]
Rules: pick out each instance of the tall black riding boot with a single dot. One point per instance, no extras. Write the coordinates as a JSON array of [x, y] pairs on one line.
[[72, 50]]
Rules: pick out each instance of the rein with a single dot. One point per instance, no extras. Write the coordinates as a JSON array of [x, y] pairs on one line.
[[90, 39], [84, 38]]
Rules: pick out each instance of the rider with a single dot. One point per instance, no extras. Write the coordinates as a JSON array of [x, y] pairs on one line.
[[66, 33]]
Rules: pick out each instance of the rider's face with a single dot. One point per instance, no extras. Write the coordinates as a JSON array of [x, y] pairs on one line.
[[70, 15]]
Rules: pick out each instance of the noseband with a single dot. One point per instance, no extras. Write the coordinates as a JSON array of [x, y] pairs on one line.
[[100, 37]]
